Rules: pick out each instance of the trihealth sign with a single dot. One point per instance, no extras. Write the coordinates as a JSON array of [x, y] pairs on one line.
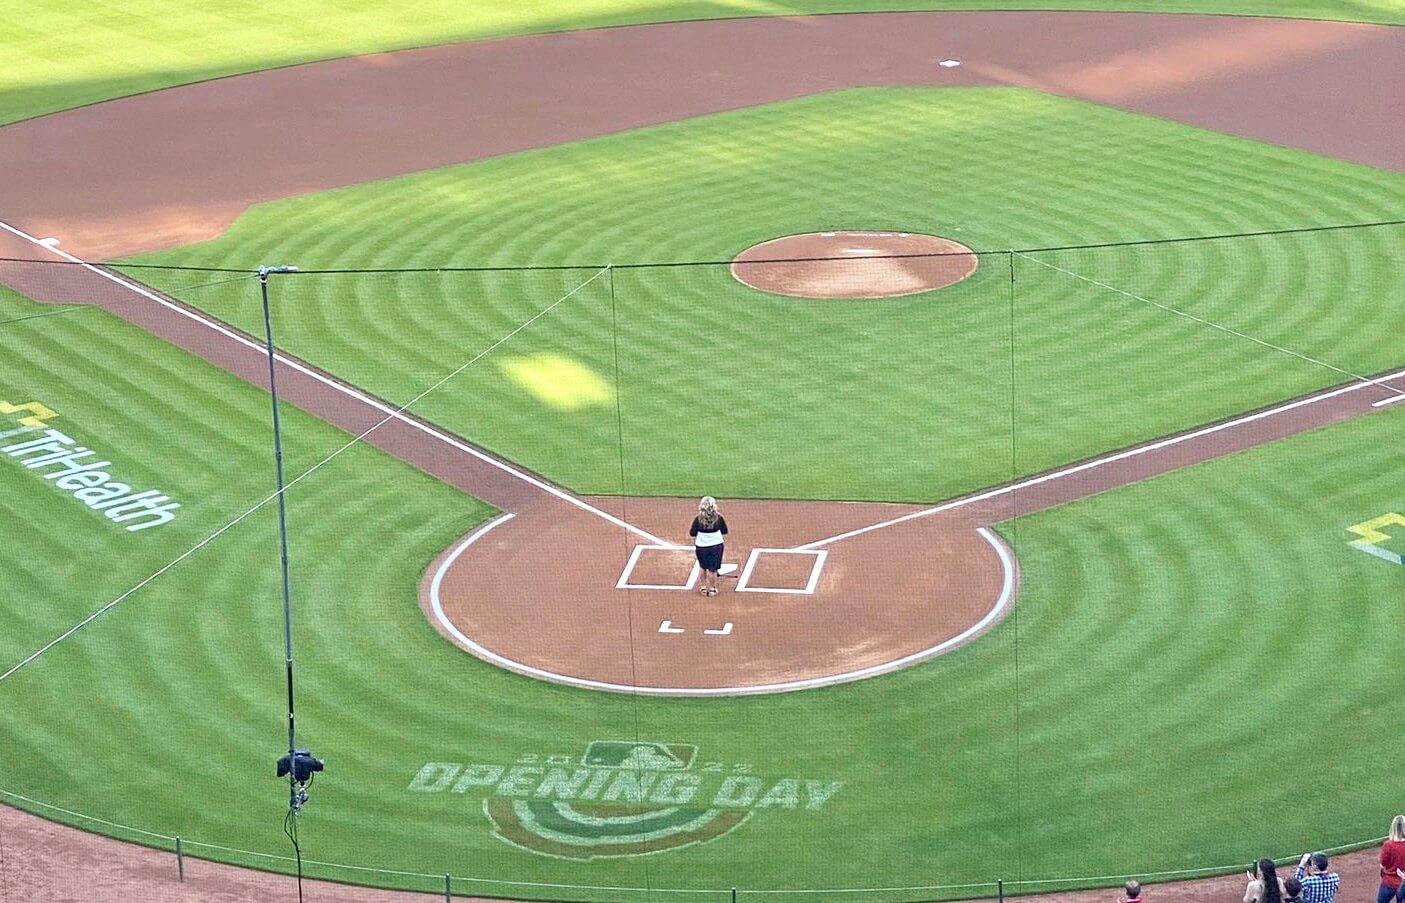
[[59, 458], [620, 798]]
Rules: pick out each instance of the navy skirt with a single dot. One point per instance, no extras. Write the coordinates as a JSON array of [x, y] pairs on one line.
[[709, 557]]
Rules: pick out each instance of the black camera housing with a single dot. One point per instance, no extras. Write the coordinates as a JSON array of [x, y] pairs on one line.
[[300, 764]]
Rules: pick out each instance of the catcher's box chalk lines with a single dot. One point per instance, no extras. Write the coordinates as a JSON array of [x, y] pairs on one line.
[[390, 414]]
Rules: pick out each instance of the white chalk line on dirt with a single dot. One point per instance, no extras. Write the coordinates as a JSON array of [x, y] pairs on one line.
[[343, 388], [246, 514], [1362, 382], [997, 610], [1110, 459]]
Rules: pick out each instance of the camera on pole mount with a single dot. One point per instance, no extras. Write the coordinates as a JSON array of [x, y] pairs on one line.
[[302, 765]]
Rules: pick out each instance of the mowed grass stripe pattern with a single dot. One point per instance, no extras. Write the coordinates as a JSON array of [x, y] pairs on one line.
[[1206, 643], [192, 663], [1150, 621], [65, 56], [906, 399], [1135, 336]]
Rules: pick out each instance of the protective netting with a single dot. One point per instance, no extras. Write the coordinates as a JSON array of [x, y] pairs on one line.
[[1050, 566]]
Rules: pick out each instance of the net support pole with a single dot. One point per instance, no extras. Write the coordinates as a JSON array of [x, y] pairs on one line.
[[264, 272], [180, 860]]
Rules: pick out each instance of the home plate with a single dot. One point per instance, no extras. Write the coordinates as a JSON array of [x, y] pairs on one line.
[[949, 64], [727, 569]]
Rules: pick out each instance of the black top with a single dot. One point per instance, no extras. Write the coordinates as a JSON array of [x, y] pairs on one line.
[[719, 527]]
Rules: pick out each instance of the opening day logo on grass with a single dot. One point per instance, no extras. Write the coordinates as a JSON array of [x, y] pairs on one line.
[[59, 458], [619, 798]]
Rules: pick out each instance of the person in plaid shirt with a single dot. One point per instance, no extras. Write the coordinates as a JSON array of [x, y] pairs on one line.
[[1319, 885]]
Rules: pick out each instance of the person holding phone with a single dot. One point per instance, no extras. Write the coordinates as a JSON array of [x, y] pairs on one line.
[[1319, 885], [1264, 883]]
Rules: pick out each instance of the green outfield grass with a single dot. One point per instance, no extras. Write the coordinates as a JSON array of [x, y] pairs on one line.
[[60, 56], [917, 398], [1175, 688]]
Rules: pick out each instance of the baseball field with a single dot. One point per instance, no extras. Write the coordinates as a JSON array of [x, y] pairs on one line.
[[1045, 363]]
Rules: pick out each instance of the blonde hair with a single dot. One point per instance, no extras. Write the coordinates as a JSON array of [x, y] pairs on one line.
[[708, 515], [1397, 828]]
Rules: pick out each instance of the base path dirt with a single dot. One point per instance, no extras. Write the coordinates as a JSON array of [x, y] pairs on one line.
[[178, 166], [853, 264]]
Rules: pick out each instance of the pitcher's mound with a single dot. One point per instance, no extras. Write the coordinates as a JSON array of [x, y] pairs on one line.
[[853, 264]]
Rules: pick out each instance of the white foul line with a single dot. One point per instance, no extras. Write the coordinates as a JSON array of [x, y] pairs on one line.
[[340, 387], [1002, 602], [1111, 459]]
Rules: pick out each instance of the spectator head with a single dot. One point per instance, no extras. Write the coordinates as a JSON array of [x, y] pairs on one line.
[[1134, 890], [1319, 862], [1294, 887], [1397, 828], [1268, 873]]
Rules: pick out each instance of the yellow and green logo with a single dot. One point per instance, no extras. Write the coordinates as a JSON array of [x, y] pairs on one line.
[[1372, 537], [37, 414]]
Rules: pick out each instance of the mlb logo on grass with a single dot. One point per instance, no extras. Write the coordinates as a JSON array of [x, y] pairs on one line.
[[640, 756]]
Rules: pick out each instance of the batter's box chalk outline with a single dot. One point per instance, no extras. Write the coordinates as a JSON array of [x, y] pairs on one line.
[[744, 581], [634, 559]]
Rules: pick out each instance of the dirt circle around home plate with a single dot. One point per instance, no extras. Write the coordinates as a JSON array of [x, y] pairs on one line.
[[553, 592], [854, 265]]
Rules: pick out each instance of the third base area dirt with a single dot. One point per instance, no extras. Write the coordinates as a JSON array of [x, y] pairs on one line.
[[175, 166]]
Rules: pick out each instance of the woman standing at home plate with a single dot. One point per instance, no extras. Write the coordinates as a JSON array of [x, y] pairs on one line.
[[708, 532]]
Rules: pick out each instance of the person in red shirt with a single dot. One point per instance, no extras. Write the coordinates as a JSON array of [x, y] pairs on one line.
[[1392, 862], [1134, 892]]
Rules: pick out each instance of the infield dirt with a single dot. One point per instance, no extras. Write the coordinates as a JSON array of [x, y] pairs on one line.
[[176, 166]]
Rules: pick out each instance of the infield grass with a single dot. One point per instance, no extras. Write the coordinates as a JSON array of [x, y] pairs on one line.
[[1033, 362], [1142, 708], [64, 55]]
